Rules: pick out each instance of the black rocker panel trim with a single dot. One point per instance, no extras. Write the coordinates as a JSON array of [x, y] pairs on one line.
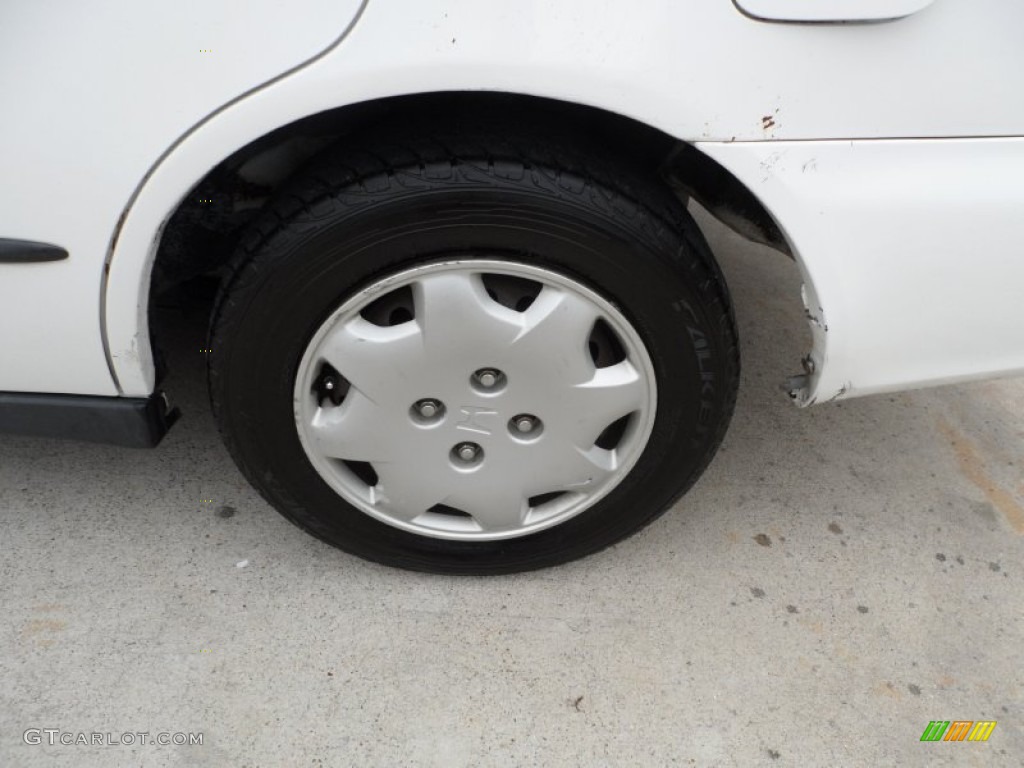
[[133, 422]]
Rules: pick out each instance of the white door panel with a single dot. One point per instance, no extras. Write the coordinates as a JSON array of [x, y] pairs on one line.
[[93, 93]]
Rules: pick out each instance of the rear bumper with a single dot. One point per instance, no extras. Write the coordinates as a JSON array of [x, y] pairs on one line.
[[133, 422]]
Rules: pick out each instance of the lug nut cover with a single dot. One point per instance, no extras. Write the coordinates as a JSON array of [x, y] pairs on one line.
[[524, 423], [487, 377], [467, 452], [428, 409]]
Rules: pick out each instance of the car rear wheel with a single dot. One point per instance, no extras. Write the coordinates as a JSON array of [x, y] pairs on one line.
[[459, 356]]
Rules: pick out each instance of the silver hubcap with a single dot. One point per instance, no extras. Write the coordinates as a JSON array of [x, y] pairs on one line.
[[475, 399]]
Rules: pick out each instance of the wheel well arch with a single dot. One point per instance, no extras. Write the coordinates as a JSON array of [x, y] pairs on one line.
[[200, 232]]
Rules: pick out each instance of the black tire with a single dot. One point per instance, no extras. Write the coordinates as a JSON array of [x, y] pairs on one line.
[[354, 216]]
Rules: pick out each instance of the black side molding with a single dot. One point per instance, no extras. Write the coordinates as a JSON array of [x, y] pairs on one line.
[[133, 422], [25, 251]]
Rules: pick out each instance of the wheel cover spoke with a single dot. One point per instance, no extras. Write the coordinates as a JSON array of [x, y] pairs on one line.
[[558, 314], [575, 470], [611, 393], [372, 357], [407, 494], [494, 510], [352, 431], [537, 441], [456, 314]]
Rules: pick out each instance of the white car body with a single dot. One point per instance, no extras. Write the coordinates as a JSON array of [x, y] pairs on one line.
[[888, 151]]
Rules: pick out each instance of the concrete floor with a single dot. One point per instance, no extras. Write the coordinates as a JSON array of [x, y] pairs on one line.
[[840, 577]]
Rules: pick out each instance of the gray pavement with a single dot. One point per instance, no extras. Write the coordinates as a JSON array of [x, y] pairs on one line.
[[840, 577]]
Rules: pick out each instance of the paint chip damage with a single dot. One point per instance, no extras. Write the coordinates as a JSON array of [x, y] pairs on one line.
[[801, 388]]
